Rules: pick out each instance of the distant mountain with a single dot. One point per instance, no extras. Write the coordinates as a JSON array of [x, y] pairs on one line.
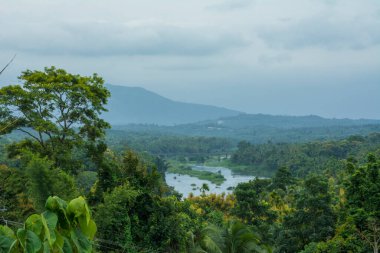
[[136, 105]]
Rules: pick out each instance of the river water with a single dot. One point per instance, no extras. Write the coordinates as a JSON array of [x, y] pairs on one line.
[[185, 184]]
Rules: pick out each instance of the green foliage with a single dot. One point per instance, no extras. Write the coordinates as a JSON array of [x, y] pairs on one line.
[[137, 221], [168, 145], [140, 174], [57, 111], [54, 120], [44, 180], [204, 188], [261, 129], [252, 202], [345, 240], [234, 237], [61, 228], [303, 158], [282, 179], [362, 187], [136, 217], [85, 180], [13, 194], [312, 221], [112, 216]]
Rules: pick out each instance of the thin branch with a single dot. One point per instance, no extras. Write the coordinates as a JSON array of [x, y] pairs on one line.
[[8, 125], [6, 66], [31, 135], [41, 138]]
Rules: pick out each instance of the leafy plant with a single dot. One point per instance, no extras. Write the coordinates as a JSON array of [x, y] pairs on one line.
[[233, 237], [61, 228]]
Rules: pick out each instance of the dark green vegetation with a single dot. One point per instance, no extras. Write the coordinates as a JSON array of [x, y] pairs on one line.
[[323, 196], [61, 228], [179, 147], [137, 105], [263, 128], [214, 178], [303, 158]]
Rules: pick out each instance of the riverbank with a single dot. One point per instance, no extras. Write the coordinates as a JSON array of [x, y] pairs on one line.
[[236, 169], [185, 184], [215, 178]]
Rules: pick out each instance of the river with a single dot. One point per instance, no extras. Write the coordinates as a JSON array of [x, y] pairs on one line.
[[185, 184]]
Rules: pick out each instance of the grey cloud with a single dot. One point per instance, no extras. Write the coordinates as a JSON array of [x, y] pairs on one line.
[[97, 39], [229, 5], [274, 59], [323, 32], [329, 2]]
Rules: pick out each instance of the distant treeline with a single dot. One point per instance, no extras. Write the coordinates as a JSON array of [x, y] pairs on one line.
[[256, 133], [169, 145], [303, 158]]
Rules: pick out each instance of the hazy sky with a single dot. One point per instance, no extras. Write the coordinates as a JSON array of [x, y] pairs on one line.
[[296, 57]]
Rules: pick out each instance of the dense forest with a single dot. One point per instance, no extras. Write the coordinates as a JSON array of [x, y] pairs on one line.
[[65, 187], [259, 129], [303, 158], [171, 146]]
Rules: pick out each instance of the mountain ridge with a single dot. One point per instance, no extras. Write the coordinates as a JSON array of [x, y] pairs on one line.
[[136, 105]]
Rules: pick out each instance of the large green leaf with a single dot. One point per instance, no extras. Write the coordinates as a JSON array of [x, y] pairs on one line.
[[81, 242], [29, 241], [55, 203], [34, 223], [5, 243], [46, 247], [15, 247], [59, 207], [88, 229], [209, 245], [67, 246], [78, 207], [60, 240], [49, 221], [6, 231]]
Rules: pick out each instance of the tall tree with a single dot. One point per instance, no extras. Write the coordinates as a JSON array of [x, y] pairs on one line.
[[252, 202], [56, 110], [363, 200], [282, 179], [313, 220]]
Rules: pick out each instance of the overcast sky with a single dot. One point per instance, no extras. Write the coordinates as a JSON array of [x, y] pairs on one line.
[[294, 57]]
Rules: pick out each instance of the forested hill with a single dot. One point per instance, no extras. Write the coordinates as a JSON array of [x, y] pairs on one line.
[[284, 122], [260, 128], [137, 105]]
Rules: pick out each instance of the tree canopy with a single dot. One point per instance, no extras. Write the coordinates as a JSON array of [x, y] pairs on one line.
[[56, 110]]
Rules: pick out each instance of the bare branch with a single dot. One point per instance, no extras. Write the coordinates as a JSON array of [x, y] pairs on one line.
[[6, 66]]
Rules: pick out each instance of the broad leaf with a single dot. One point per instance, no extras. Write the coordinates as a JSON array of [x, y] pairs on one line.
[[46, 247], [5, 243], [78, 207], [49, 220], [58, 206], [29, 241], [59, 240], [6, 231], [82, 244], [67, 246], [88, 229], [34, 223]]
